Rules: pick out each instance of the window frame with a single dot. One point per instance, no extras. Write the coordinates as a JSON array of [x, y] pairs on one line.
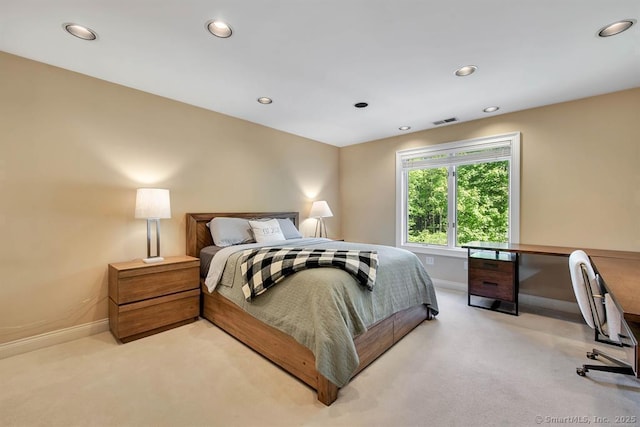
[[512, 140]]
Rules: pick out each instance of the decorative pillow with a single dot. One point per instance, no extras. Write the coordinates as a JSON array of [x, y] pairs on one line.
[[288, 229], [230, 231], [266, 231]]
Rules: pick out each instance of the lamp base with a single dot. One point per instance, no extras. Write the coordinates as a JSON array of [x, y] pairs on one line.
[[152, 260]]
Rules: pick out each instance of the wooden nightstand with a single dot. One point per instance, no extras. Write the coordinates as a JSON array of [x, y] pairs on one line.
[[145, 299]]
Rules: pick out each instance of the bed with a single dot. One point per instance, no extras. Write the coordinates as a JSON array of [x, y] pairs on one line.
[[281, 343]]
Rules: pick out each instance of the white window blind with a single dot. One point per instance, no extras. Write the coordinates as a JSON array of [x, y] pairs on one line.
[[434, 157]]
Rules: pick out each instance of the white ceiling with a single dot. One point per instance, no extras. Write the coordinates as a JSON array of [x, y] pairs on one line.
[[316, 58]]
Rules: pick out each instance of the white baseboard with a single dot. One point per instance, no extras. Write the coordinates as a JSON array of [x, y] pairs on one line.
[[549, 303], [447, 284], [47, 339], [69, 334], [523, 299]]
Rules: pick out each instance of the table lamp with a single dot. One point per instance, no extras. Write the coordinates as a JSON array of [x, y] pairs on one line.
[[153, 204], [320, 209]]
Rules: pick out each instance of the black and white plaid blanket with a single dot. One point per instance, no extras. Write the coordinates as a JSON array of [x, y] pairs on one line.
[[263, 268]]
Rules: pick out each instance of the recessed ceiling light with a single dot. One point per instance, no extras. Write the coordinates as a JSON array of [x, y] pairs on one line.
[[265, 100], [219, 28], [80, 31], [466, 70], [616, 28], [404, 127], [491, 109], [361, 105]]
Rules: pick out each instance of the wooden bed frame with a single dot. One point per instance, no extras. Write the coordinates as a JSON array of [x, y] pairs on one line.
[[277, 346]]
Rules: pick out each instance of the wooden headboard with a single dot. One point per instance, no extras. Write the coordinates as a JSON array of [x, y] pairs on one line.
[[198, 235]]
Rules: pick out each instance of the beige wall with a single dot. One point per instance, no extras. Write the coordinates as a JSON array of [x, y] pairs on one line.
[[580, 181], [73, 149]]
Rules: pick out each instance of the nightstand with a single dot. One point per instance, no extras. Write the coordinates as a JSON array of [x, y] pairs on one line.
[[145, 299]]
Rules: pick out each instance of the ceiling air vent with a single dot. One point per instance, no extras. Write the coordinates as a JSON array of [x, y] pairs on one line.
[[441, 122]]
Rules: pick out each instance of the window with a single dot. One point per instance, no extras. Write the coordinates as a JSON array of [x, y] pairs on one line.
[[451, 194]]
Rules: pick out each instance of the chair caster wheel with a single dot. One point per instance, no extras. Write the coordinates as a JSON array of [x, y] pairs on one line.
[[592, 356], [581, 371]]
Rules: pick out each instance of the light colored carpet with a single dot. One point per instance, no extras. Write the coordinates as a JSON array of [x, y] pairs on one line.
[[469, 367]]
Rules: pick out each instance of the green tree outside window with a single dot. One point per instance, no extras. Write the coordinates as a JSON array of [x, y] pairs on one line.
[[482, 203]]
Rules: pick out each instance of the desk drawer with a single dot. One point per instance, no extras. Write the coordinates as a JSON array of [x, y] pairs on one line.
[[491, 265], [493, 287], [491, 278]]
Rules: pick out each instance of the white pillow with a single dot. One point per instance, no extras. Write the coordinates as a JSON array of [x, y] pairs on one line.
[[267, 231]]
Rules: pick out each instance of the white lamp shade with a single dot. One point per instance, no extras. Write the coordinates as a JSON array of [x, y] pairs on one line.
[[320, 209], [153, 203]]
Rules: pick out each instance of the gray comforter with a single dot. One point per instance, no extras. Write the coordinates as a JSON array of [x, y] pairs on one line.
[[325, 308]]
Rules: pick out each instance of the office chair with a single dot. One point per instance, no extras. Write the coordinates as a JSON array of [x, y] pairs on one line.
[[599, 311]]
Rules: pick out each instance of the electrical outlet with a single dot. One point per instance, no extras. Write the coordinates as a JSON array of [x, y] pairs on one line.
[[429, 260]]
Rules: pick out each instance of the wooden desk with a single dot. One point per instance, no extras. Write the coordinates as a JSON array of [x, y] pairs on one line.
[[622, 279], [550, 250], [619, 270]]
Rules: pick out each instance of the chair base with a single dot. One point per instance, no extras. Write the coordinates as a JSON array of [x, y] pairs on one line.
[[605, 339], [619, 368]]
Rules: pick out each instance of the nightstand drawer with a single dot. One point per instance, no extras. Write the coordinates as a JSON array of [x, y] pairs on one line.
[[136, 281], [146, 316], [140, 287]]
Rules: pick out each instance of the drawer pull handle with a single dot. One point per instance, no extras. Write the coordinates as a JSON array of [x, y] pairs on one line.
[[490, 265], [489, 283]]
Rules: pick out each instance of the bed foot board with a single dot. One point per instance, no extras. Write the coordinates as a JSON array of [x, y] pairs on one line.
[[296, 359]]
